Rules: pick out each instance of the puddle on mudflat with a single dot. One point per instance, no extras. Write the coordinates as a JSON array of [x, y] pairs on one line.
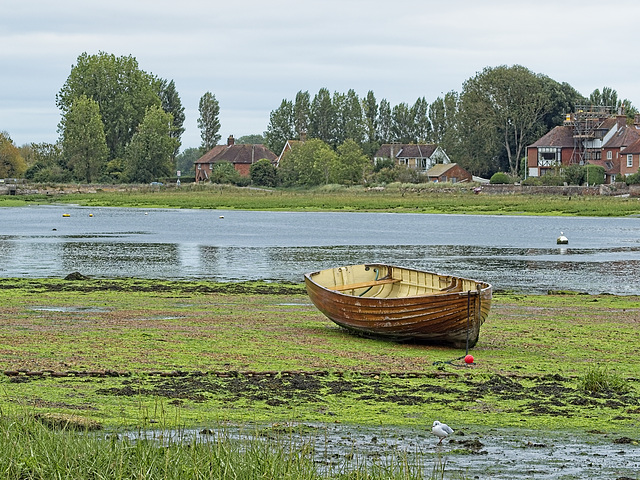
[[474, 453], [70, 309]]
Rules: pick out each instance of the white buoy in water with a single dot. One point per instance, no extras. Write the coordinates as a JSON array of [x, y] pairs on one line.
[[562, 240]]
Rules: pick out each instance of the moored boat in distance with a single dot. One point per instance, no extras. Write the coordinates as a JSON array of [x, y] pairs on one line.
[[402, 304]]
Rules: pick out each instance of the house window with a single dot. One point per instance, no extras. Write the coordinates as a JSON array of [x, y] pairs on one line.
[[629, 160], [609, 154], [548, 156], [609, 165], [199, 166], [211, 166]]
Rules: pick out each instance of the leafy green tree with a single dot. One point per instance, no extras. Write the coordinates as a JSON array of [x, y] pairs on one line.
[[149, 154], [281, 127], [385, 122], [301, 114], [209, 122], [308, 164], [122, 91], [594, 174], [11, 162], [263, 173], [422, 131], [323, 117], [443, 113], [354, 126], [172, 104], [351, 165], [254, 139], [574, 174], [370, 121], [84, 144], [511, 101], [224, 172], [609, 98], [402, 125], [47, 164], [563, 99]]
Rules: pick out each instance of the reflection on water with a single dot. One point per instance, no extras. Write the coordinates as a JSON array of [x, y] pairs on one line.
[[512, 253]]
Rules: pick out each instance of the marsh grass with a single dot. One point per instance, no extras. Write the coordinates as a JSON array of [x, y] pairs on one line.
[[422, 198], [30, 449], [599, 379]]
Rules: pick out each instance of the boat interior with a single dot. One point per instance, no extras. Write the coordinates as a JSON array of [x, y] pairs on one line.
[[382, 281]]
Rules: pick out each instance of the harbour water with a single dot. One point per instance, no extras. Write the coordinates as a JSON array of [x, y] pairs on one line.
[[512, 252]]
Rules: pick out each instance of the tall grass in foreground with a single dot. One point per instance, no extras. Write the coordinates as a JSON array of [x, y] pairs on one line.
[[31, 450], [601, 380]]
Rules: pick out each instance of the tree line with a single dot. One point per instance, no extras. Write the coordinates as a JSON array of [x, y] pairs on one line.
[[485, 128], [121, 124]]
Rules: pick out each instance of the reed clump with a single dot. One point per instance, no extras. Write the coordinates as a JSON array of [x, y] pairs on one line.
[[599, 379]]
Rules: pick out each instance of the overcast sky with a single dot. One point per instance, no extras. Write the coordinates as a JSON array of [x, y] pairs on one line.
[[252, 54]]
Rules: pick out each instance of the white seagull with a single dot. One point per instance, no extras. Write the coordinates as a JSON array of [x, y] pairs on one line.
[[441, 430]]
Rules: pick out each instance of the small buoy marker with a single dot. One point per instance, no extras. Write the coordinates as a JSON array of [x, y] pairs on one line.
[[91, 214], [66, 215], [562, 240]]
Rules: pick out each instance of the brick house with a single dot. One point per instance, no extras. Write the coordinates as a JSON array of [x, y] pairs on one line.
[[630, 159], [419, 157], [592, 135], [451, 172], [240, 156]]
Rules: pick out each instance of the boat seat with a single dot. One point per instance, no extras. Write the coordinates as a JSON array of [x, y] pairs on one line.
[[372, 283]]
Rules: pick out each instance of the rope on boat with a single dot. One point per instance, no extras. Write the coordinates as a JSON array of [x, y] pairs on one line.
[[450, 362], [377, 270]]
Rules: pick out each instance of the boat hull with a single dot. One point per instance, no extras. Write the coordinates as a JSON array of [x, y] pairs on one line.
[[402, 304]]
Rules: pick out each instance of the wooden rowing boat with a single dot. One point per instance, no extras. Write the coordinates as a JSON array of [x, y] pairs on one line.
[[401, 303]]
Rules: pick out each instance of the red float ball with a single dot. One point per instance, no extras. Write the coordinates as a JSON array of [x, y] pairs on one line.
[[468, 359]]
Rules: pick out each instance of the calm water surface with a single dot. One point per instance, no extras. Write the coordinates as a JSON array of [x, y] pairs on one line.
[[511, 252]]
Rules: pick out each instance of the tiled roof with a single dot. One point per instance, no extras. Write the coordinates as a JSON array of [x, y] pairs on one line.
[[404, 150], [623, 137], [440, 169], [237, 154], [208, 157], [633, 148], [561, 136]]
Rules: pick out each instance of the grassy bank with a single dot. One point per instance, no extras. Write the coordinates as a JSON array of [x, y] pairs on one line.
[[131, 353], [424, 198]]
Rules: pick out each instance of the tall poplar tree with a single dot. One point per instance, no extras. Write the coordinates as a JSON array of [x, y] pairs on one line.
[[83, 139], [209, 122], [172, 104], [281, 127], [323, 117]]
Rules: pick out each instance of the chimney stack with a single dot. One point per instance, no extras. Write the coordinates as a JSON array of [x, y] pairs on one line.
[[230, 141]]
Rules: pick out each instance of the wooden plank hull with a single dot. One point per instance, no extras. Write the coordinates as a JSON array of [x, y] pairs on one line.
[[402, 304]]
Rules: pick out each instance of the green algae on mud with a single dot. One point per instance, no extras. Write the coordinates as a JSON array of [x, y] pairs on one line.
[[130, 352]]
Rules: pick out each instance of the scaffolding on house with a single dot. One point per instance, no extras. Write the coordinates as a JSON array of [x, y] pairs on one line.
[[587, 124]]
